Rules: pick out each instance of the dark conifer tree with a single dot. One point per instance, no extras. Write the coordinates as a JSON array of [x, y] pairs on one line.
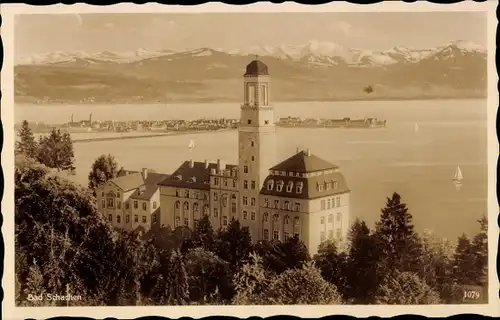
[[26, 145]]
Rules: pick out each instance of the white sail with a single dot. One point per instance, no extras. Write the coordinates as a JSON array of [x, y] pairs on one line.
[[416, 127], [458, 174], [191, 144]]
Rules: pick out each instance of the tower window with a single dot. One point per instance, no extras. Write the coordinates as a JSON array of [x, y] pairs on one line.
[[245, 169], [266, 122], [249, 121], [252, 144], [253, 158]]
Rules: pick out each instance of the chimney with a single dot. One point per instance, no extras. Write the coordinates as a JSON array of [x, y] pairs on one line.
[[144, 173], [308, 152], [219, 165], [191, 163], [206, 164]]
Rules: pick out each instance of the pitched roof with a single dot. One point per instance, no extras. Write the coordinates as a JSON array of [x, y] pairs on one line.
[[256, 68], [129, 181], [309, 189], [304, 162], [151, 185], [195, 177]]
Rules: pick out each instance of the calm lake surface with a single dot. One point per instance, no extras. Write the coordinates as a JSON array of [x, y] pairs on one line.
[[377, 162]]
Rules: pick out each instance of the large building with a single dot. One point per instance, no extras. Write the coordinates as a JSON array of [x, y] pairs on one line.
[[303, 195]]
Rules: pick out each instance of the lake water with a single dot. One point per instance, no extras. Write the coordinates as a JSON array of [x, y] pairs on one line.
[[376, 163]]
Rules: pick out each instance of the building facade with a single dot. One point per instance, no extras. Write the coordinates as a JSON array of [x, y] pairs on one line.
[[303, 195]]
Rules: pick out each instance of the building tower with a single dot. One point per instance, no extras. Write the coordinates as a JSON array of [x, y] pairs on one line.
[[257, 146]]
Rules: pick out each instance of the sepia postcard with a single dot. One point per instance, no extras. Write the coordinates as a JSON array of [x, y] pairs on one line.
[[249, 160]]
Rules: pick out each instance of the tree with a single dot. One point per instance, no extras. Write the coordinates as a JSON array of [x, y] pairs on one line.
[[178, 290], [26, 144], [103, 169], [464, 272], [280, 256], [56, 150], [208, 277], [233, 244], [362, 259], [35, 285], [479, 248], [405, 288], [251, 281], [332, 264], [203, 235], [398, 245], [301, 286]]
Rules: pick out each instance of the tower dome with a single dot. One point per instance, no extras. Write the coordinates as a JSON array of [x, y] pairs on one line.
[[256, 68]]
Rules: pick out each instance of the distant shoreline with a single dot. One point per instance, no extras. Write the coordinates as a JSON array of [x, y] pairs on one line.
[[381, 99], [142, 136]]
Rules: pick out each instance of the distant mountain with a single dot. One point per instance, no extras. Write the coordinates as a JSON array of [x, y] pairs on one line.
[[313, 71]]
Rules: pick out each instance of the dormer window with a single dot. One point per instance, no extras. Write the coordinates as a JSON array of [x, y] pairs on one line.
[[300, 186], [279, 186], [320, 187], [270, 184], [289, 186], [178, 177], [335, 185], [192, 180]]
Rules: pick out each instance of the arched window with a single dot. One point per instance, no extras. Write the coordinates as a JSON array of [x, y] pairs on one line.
[[196, 207], [270, 184], [287, 219], [279, 185], [287, 205], [296, 221], [177, 204], [186, 205], [330, 218], [276, 218], [224, 200], [265, 217], [339, 217]]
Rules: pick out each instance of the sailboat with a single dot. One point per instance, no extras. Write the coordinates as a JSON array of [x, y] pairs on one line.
[[416, 127], [458, 177], [191, 144]]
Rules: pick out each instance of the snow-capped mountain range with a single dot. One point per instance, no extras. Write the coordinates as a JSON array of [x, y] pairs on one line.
[[318, 53]]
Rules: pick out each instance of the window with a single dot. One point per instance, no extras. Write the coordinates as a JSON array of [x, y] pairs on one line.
[[206, 210], [245, 201], [216, 196], [276, 204], [177, 193], [118, 219], [296, 221], [234, 183], [338, 234], [216, 181], [329, 203], [300, 185], [252, 201], [186, 221], [225, 182], [245, 215], [265, 217], [289, 186], [339, 217], [253, 158], [110, 218], [154, 204], [153, 218], [276, 235], [253, 185], [136, 218], [245, 184], [119, 205], [224, 220], [144, 219], [136, 204], [322, 236], [118, 194], [287, 219], [177, 221], [337, 200], [266, 234], [330, 234], [266, 121], [205, 195], [224, 200], [216, 212], [270, 185], [330, 218], [266, 202], [322, 220], [245, 169], [252, 216], [111, 202], [276, 218], [297, 206], [127, 205], [196, 207], [252, 144], [322, 204], [279, 186], [177, 204], [335, 185], [103, 203], [196, 222], [233, 206], [286, 206], [127, 218], [320, 187], [196, 195], [186, 205], [186, 193], [102, 194], [286, 236], [144, 206], [249, 121]]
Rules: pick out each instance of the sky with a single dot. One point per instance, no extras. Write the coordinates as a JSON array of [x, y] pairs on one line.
[[39, 33]]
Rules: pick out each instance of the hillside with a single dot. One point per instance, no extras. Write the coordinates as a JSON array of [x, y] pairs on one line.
[[315, 71]]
